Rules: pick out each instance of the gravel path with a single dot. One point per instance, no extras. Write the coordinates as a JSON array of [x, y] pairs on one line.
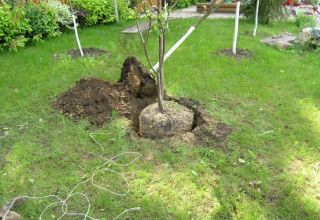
[[180, 14], [192, 12]]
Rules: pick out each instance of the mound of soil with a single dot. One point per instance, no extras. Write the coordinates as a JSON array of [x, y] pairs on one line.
[[95, 99], [88, 52], [241, 53]]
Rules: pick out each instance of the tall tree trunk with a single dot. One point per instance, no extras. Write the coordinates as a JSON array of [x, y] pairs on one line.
[[116, 13], [236, 29], [76, 34], [256, 19], [160, 75]]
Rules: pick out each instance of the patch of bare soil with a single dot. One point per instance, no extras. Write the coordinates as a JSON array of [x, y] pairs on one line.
[[205, 128], [259, 33], [241, 53], [87, 52], [95, 99]]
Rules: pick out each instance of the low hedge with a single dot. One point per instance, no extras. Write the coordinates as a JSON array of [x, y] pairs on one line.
[[42, 21], [20, 25], [187, 3], [13, 27], [102, 11]]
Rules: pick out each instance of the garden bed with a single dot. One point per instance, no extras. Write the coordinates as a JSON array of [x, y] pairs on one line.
[[241, 53], [88, 52]]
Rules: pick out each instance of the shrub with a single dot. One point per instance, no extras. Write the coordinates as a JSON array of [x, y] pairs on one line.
[[13, 27], [42, 20], [183, 3], [268, 11], [303, 21], [186, 3], [102, 11], [62, 13], [314, 2]]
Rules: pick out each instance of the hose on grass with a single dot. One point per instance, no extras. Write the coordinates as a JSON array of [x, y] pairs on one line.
[[104, 167]]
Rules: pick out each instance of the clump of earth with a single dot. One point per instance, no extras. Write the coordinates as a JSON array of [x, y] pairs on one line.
[[134, 96], [174, 120]]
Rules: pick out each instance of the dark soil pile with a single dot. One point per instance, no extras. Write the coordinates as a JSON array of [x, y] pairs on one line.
[[87, 52], [95, 99], [241, 53]]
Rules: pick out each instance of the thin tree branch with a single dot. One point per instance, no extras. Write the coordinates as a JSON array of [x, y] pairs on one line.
[[144, 43], [212, 8]]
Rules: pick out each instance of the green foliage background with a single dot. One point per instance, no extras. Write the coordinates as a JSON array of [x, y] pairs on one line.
[[268, 10], [22, 23], [13, 26]]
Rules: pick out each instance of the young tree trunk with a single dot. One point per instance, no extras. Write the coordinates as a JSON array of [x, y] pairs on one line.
[[160, 75], [256, 19], [236, 29], [116, 14], [76, 34]]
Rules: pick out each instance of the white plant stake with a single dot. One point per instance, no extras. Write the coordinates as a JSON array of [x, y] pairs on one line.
[[236, 29], [175, 46], [76, 33], [116, 14], [212, 8], [257, 19]]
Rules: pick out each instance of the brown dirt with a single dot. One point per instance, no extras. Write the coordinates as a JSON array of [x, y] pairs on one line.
[[87, 52], [95, 99], [259, 33], [205, 128], [241, 53]]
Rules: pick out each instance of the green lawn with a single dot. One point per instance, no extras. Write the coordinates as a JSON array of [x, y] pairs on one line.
[[268, 167]]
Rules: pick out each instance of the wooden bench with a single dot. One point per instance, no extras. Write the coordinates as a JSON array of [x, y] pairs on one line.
[[224, 7]]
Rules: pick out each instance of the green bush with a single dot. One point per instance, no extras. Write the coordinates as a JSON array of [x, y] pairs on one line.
[[13, 27], [42, 20], [102, 11], [187, 3], [33, 22], [268, 11], [62, 13], [314, 2], [183, 3], [303, 21]]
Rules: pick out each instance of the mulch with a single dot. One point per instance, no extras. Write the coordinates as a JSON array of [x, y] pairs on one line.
[[241, 53], [88, 52]]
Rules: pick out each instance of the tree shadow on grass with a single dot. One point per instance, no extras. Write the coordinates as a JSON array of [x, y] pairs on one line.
[[263, 183]]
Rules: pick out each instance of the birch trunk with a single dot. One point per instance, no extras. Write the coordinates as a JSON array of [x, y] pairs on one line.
[[116, 13], [76, 34], [160, 75], [256, 19], [236, 29]]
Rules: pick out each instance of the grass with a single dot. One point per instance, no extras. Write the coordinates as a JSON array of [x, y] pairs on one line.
[[267, 169]]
